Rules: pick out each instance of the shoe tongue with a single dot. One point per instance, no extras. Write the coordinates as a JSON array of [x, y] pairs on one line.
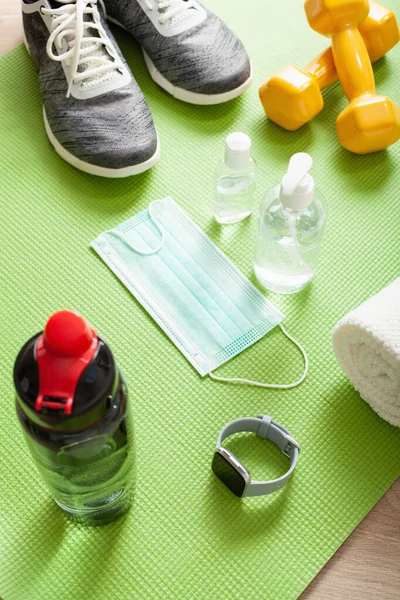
[[183, 16], [99, 51]]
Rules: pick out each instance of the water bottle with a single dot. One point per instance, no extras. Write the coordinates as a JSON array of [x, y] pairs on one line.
[[72, 403], [236, 181], [290, 230]]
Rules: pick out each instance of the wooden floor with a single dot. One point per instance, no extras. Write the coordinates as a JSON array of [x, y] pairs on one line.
[[367, 566]]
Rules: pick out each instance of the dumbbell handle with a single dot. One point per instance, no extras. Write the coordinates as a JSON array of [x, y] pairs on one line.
[[323, 66], [352, 61]]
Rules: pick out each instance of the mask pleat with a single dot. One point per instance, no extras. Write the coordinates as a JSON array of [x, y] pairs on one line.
[[239, 299], [206, 291], [173, 293]]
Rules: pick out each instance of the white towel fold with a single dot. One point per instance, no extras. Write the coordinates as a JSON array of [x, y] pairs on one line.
[[367, 345]]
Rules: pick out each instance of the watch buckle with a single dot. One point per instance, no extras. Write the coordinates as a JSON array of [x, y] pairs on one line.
[[290, 443]]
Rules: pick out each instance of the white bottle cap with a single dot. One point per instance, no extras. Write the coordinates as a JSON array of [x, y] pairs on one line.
[[297, 189], [237, 151]]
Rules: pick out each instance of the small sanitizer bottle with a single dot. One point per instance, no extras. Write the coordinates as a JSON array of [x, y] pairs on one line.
[[236, 181], [291, 226]]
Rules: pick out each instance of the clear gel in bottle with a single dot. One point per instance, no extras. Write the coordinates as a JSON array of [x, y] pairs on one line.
[[291, 226], [236, 181]]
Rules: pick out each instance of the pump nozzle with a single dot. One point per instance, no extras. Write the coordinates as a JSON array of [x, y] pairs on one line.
[[297, 187]]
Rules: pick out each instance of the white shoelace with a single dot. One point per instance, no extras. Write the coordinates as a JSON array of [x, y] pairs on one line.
[[170, 8], [68, 22]]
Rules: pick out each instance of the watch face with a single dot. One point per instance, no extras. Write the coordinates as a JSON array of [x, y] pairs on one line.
[[228, 473]]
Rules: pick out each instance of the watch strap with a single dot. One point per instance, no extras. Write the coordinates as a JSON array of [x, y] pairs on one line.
[[267, 428]]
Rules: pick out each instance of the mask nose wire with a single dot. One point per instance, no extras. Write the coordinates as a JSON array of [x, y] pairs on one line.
[[156, 224]]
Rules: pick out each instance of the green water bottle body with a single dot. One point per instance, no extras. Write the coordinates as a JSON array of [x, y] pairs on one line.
[[89, 473]]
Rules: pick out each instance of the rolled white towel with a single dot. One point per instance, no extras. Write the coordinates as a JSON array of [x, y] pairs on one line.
[[366, 343]]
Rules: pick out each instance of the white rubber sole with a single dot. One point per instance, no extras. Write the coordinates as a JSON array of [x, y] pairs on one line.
[[25, 41], [94, 169], [193, 97], [185, 95]]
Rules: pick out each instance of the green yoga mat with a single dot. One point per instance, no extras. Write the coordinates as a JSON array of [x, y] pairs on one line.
[[186, 537]]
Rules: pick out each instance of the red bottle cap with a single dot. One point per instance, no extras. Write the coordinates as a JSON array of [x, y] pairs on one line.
[[67, 334], [67, 346]]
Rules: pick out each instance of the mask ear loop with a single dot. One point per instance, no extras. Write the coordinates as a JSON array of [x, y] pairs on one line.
[[156, 224], [281, 386]]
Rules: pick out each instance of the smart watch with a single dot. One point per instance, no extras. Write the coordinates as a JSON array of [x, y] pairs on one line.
[[234, 474]]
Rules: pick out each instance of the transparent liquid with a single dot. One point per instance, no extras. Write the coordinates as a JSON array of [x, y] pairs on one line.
[[282, 283], [288, 244], [89, 473], [234, 197]]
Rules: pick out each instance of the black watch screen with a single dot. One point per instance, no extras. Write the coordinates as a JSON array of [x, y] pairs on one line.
[[227, 473]]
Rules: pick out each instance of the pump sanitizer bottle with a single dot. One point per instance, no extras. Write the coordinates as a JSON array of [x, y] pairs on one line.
[[291, 226], [235, 181]]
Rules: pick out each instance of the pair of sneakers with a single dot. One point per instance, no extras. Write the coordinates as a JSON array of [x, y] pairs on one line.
[[95, 114]]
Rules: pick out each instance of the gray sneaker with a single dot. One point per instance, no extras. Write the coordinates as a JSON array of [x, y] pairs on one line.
[[95, 114], [188, 50]]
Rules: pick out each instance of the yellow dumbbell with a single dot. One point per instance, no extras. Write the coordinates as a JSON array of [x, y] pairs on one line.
[[371, 122], [292, 97]]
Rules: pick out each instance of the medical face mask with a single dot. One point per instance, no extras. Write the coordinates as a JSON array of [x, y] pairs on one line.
[[202, 302]]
